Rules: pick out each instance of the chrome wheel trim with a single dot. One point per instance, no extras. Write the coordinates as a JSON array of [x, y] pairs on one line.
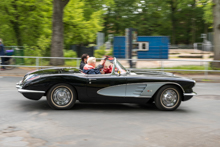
[[169, 98], [62, 96]]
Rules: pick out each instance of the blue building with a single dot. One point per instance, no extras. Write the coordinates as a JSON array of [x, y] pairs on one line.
[[149, 47], [119, 47]]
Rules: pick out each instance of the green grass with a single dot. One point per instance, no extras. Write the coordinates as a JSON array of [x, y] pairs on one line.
[[68, 63], [72, 63], [46, 62], [188, 67], [206, 80]]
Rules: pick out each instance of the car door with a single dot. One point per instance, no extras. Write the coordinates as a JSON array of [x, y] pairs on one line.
[[101, 87]]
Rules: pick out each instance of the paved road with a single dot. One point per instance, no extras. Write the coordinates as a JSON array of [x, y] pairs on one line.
[[32, 123]]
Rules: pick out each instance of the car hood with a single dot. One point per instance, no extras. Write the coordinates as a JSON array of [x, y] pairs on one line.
[[151, 73], [50, 71], [148, 73]]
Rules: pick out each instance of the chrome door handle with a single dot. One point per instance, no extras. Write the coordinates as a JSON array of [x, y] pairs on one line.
[[92, 79]]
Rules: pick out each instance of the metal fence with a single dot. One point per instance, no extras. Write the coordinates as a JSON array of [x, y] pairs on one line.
[[162, 63]]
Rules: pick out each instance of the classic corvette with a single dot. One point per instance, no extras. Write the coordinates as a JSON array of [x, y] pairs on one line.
[[63, 86]]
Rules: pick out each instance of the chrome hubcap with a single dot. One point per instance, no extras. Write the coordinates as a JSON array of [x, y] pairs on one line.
[[61, 96], [169, 98]]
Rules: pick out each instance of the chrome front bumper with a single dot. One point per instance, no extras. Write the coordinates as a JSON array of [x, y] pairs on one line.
[[29, 91], [190, 94], [19, 87]]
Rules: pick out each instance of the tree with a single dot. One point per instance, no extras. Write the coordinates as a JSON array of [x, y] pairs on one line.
[[28, 22], [24, 22], [57, 35], [216, 28], [173, 8], [152, 18], [193, 27], [81, 21], [82, 26]]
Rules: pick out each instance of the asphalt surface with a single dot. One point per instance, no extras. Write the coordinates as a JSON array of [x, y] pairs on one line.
[[25, 122]]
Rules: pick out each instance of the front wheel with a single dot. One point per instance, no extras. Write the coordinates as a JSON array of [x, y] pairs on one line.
[[61, 96], [168, 98]]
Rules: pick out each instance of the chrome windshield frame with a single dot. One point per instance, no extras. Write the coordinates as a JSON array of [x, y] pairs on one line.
[[114, 65]]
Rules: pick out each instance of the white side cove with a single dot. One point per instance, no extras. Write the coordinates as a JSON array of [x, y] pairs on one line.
[[139, 90], [118, 91]]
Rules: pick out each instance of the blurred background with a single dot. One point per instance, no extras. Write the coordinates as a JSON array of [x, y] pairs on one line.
[[134, 31]]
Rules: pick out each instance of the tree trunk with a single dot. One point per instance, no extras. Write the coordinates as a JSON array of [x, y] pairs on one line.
[[15, 23], [173, 20], [106, 23], [57, 35], [193, 22], [216, 29]]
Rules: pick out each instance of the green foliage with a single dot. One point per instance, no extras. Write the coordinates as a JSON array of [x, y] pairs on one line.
[[39, 50], [156, 17], [25, 22], [29, 22], [82, 20], [99, 53], [31, 51], [208, 15], [110, 53], [71, 63], [70, 53]]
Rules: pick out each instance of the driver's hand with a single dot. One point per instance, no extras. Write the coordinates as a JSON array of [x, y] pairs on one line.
[[101, 62], [102, 72]]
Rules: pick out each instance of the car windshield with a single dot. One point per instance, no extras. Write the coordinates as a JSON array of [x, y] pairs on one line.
[[119, 67]]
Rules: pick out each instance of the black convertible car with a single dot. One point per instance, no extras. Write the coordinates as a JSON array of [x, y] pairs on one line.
[[63, 86]]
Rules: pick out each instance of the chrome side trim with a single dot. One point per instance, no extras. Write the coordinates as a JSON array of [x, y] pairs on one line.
[[29, 91], [190, 94]]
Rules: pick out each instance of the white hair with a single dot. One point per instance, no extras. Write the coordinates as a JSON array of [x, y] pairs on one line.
[[91, 60]]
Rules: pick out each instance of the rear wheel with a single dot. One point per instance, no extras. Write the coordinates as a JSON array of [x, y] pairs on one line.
[[61, 96], [168, 98]]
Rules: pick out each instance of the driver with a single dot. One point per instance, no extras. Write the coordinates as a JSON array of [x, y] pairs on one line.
[[89, 68]]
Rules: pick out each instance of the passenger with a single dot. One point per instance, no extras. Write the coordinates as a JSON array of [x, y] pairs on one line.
[[89, 68], [84, 59]]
